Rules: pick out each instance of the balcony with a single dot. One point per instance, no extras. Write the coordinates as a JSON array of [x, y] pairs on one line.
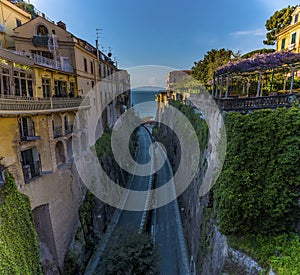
[[28, 134], [255, 103], [31, 171], [15, 104], [47, 62], [40, 40]]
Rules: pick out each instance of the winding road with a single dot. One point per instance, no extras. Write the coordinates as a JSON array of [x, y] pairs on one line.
[[166, 228]]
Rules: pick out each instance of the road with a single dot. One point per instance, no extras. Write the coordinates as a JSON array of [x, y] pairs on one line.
[[167, 228], [166, 222], [133, 219]]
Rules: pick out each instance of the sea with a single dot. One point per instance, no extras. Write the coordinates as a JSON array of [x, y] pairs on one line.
[[144, 95]]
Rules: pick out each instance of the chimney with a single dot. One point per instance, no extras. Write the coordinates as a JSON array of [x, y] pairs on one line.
[[62, 25]]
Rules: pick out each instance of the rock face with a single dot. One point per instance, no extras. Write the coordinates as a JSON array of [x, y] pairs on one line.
[[94, 217], [206, 245], [208, 249]]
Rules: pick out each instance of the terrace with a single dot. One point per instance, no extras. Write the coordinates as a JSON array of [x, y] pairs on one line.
[[15, 104], [263, 81], [47, 62], [256, 103]]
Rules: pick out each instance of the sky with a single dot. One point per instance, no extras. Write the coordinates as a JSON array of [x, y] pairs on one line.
[[168, 33]]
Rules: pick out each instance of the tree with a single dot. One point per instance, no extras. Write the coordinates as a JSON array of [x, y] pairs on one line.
[[204, 70], [131, 253], [278, 21]]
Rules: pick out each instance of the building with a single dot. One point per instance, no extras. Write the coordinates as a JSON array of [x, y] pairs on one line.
[[51, 45], [44, 78], [36, 145], [11, 16], [289, 38]]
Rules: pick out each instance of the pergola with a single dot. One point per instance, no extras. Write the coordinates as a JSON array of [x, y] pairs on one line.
[[256, 66]]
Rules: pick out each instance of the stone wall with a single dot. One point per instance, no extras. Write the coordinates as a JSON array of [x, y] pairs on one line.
[[62, 193]]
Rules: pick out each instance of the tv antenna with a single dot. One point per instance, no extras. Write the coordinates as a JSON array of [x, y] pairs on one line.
[[102, 48], [98, 32]]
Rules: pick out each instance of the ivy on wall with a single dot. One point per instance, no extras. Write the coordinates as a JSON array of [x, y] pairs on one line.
[[19, 250], [259, 187]]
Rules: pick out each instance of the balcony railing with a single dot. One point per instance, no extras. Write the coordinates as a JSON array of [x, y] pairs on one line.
[[47, 62], [40, 40], [31, 171], [253, 103], [28, 133], [15, 103]]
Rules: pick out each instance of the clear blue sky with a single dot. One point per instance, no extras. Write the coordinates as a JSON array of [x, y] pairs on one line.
[[165, 32]]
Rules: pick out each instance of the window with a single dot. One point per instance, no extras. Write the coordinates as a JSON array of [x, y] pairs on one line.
[[296, 18], [66, 122], [293, 41], [72, 89], [27, 129], [60, 88], [283, 44], [57, 126], [41, 30], [66, 63], [30, 160], [46, 87], [93, 84], [99, 70], [5, 87], [23, 83], [18, 23], [85, 65], [92, 67]]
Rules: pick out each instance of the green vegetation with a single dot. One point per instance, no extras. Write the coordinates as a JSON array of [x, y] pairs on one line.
[[204, 69], [26, 7], [278, 21], [84, 235], [257, 194], [130, 253], [282, 252], [19, 250], [199, 124]]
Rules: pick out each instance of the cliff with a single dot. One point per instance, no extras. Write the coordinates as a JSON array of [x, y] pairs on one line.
[[249, 222]]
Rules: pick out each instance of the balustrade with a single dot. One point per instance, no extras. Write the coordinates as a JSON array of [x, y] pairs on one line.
[[252, 103], [15, 103]]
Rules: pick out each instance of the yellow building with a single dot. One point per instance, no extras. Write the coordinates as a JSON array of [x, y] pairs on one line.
[[289, 38], [36, 144], [51, 45], [42, 84], [11, 17]]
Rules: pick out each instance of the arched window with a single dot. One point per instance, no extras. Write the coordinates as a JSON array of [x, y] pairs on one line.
[[60, 153], [57, 126], [69, 148], [42, 30]]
